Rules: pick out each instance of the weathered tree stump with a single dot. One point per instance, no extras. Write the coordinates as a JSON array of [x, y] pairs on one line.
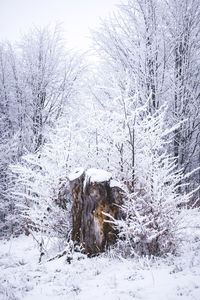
[[95, 197]]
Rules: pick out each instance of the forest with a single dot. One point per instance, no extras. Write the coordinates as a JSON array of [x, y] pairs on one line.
[[131, 111]]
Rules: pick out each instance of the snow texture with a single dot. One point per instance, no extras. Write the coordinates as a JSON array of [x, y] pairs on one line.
[[104, 277], [76, 174], [96, 175]]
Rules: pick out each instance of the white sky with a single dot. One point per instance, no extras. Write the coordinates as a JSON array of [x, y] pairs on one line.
[[76, 16]]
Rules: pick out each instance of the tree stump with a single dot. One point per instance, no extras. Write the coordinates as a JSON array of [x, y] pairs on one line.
[[95, 197]]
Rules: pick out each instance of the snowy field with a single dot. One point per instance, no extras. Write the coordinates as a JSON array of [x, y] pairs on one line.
[[105, 277]]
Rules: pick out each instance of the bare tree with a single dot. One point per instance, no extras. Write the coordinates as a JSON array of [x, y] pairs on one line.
[[183, 73]]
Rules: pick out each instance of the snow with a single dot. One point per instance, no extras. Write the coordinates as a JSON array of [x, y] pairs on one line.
[[115, 183], [97, 175], [92, 175], [105, 277], [76, 174]]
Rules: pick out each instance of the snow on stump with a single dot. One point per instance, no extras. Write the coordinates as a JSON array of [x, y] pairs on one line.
[[95, 197]]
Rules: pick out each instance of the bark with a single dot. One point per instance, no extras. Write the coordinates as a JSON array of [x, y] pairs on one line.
[[92, 200]]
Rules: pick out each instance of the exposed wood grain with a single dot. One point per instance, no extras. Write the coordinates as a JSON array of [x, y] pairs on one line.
[[91, 201]]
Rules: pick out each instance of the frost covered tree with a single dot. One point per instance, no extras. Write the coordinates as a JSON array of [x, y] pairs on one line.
[[50, 73], [182, 23], [132, 43], [155, 45], [8, 136], [39, 81], [117, 130], [132, 72], [42, 191], [151, 212]]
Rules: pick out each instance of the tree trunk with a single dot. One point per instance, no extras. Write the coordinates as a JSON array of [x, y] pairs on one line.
[[95, 197]]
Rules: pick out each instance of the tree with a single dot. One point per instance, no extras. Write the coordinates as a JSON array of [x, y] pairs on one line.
[[8, 149], [132, 50], [132, 42], [41, 192], [155, 54], [151, 212], [39, 81], [50, 74], [182, 23]]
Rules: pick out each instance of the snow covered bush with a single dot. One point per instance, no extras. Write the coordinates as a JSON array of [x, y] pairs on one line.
[[42, 190], [151, 210]]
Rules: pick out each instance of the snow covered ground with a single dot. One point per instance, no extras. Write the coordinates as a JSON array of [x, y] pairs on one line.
[[105, 277]]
